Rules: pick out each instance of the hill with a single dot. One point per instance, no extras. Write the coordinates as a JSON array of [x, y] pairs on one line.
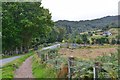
[[88, 25]]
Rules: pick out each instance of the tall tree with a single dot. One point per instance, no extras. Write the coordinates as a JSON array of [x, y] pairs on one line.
[[24, 22]]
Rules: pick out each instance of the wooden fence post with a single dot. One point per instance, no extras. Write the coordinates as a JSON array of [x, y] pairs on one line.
[[45, 57], [70, 64], [95, 70], [56, 64]]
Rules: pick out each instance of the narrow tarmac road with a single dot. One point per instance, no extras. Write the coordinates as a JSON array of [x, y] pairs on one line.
[[7, 60], [25, 70]]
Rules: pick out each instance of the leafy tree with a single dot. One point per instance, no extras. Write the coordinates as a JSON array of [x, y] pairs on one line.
[[102, 40], [85, 39], [53, 35], [61, 34], [24, 22], [113, 41], [79, 41]]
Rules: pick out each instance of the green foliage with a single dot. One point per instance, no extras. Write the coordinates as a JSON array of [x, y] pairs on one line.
[[42, 70], [79, 41], [24, 22], [85, 38], [110, 65], [8, 69], [87, 25], [113, 41], [57, 34]]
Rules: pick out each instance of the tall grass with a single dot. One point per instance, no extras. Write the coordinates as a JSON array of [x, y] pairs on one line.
[[42, 70]]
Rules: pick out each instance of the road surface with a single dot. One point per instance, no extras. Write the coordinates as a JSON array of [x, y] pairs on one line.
[[7, 60], [51, 47]]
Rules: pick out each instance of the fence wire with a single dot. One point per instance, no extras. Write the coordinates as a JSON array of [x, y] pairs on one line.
[[79, 68]]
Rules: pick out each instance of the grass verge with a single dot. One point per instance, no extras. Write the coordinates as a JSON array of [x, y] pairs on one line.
[[42, 70], [8, 69]]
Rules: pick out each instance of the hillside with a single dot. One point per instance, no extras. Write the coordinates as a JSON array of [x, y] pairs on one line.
[[113, 31], [88, 25]]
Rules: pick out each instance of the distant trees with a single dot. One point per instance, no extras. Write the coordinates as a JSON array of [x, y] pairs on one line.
[[113, 41], [57, 34], [85, 39], [83, 26], [106, 28], [61, 34], [102, 40], [79, 41]]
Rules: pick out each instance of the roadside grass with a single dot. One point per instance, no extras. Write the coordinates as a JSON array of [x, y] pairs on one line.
[[8, 69], [42, 70]]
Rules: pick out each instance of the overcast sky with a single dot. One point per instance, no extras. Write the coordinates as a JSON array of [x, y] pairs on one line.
[[75, 10]]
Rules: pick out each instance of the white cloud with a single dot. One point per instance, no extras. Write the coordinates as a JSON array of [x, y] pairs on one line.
[[80, 9]]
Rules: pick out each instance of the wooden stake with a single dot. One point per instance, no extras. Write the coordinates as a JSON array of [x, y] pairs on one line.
[[70, 64], [95, 71]]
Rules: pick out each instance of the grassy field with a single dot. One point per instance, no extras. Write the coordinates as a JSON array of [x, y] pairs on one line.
[[90, 52], [8, 69]]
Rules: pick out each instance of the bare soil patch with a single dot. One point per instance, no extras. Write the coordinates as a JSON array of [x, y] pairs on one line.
[[86, 53]]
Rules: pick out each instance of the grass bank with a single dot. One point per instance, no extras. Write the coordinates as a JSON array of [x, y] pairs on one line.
[[42, 70], [8, 69]]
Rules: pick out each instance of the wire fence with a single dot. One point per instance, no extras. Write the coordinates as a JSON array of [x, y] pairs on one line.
[[76, 68]]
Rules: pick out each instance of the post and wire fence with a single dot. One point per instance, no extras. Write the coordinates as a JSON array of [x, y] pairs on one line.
[[76, 68]]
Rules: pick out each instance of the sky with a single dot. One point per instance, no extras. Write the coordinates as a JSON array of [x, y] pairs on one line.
[[76, 10]]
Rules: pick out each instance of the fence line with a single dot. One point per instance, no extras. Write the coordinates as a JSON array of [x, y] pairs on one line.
[[74, 66]]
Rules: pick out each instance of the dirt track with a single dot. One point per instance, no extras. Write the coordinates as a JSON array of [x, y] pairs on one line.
[[25, 70], [86, 53]]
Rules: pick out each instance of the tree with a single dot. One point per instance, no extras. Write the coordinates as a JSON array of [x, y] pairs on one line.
[[102, 40], [85, 39], [79, 41], [113, 41], [53, 35], [24, 22], [61, 34]]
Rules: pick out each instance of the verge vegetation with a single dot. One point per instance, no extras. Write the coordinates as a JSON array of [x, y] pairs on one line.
[[8, 69], [42, 70]]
